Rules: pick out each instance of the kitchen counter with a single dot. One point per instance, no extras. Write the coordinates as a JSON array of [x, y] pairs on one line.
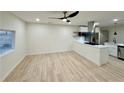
[[94, 46], [113, 48], [97, 54]]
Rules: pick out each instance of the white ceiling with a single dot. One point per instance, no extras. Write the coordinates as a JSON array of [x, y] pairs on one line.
[[103, 17]]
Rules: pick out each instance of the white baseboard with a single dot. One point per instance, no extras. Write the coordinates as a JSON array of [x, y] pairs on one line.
[[36, 53], [5, 76]]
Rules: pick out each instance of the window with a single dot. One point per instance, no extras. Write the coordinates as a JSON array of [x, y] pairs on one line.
[[6, 41]]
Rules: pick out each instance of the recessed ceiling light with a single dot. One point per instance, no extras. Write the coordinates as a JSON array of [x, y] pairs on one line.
[[115, 20], [64, 19], [37, 19]]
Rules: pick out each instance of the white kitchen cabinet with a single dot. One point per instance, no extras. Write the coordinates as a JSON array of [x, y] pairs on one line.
[[112, 49], [97, 54]]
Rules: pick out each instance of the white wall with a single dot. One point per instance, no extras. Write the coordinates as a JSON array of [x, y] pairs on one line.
[[120, 33], [9, 61], [36, 38], [0, 58], [44, 38], [0, 19]]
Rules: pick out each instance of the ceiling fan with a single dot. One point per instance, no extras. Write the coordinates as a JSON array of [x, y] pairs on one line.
[[65, 18]]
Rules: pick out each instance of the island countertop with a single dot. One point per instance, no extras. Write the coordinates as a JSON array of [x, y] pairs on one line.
[[95, 46]]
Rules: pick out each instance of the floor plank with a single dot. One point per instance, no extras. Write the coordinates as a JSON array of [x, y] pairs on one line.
[[66, 67]]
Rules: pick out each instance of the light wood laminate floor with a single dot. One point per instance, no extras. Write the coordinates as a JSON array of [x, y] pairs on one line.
[[65, 67]]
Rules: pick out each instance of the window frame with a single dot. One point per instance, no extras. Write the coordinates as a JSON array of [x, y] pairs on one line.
[[13, 43]]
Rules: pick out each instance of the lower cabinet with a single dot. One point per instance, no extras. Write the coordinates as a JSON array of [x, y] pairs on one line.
[[113, 50]]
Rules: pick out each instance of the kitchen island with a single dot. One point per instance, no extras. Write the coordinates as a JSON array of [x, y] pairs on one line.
[[97, 54]]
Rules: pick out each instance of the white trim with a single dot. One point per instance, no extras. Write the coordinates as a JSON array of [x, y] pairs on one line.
[[5, 76], [36, 53]]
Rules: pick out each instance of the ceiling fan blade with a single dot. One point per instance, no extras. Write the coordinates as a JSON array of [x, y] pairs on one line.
[[56, 18], [73, 14]]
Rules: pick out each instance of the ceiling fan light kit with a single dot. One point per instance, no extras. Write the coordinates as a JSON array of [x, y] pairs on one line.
[[68, 21]]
